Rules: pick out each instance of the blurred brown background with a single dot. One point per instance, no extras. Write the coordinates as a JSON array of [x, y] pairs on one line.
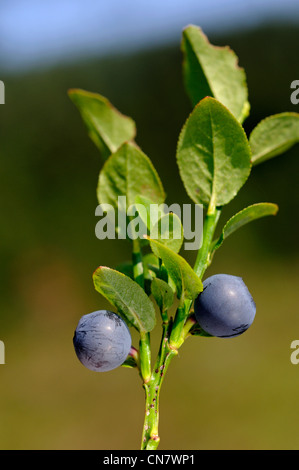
[[218, 394]]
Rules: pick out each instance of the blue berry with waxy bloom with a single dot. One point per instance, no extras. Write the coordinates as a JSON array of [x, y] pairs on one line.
[[225, 307], [102, 341]]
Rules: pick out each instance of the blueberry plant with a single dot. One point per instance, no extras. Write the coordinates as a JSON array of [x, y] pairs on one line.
[[215, 158]]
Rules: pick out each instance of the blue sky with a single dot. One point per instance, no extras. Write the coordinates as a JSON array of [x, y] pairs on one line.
[[34, 32]]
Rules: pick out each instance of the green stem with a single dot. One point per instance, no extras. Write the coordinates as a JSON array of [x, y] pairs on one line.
[[150, 434], [190, 322], [145, 356], [202, 259], [178, 324], [137, 263], [144, 343], [164, 316], [134, 354]]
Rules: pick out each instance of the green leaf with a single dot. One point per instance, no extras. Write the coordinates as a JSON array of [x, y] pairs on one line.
[[274, 136], [127, 297], [152, 213], [150, 266], [213, 154], [196, 330], [188, 285], [162, 293], [169, 231], [250, 213], [130, 363], [161, 225], [213, 71], [129, 172], [107, 127]]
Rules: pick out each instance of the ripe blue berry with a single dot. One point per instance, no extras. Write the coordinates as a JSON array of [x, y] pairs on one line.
[[225, 307], [102, 341]]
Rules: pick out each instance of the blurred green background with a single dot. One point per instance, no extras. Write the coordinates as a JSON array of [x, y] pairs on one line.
[[218, 394]]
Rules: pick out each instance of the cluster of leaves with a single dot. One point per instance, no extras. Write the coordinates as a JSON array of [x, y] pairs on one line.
[[215, 158]]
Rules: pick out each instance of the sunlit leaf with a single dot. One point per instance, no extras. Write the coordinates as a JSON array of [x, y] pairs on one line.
[[127, 297], [249, 214], [162, 293], [186, 281], [107, 127], [213, 154], [274, 136], [213, 71]]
